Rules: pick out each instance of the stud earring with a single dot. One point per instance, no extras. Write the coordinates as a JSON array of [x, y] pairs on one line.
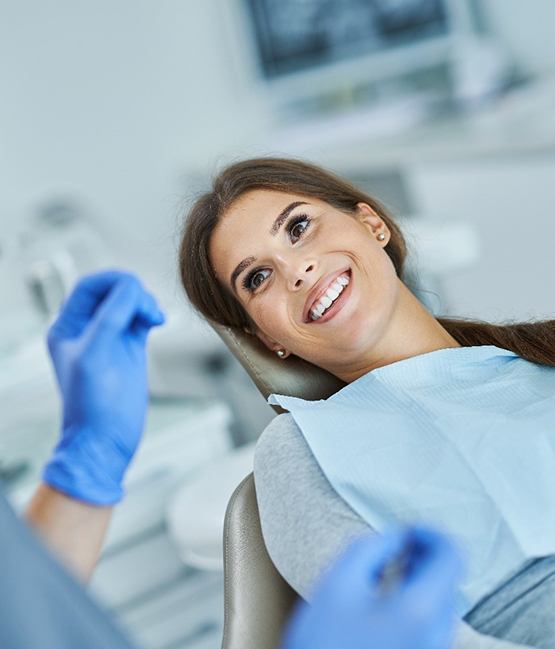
[[381, 236], [281, 353]]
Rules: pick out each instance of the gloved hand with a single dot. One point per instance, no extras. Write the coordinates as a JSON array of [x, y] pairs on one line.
[[97, 346], [353, 609]]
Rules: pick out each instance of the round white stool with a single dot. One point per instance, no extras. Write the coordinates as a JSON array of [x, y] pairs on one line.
[[195, 515]]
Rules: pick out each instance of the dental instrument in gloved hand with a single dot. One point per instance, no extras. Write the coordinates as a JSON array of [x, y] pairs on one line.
[[394, 591], [98, 349]]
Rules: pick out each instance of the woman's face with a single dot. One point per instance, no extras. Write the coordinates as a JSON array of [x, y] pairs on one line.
[[279, 253]]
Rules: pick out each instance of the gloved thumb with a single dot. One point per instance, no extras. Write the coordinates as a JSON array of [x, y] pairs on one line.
[[149, 313], [124, 304]]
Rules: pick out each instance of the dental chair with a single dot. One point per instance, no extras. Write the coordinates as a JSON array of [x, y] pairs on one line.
[[257, 600]]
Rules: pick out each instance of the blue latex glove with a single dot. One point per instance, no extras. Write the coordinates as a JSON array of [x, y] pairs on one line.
[[97, 346], [352, 610]]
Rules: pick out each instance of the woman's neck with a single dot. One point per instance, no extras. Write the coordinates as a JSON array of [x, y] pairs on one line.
[[412, 331]]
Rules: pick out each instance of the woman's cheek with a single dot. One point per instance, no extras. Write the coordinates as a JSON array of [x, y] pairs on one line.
[[265, 315]]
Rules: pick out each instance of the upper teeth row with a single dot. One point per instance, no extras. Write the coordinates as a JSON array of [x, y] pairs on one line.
[[332, 293]]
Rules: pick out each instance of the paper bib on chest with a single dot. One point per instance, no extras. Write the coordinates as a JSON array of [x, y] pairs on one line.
[[460, 438]]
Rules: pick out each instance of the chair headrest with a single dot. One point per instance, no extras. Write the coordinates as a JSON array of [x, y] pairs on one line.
[[292, 376]]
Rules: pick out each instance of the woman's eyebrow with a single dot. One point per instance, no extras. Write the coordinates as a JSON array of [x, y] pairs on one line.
[[242, 265], [239, 269], [283, 215]]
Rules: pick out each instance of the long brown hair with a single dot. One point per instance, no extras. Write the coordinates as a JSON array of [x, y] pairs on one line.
[[534, 341]]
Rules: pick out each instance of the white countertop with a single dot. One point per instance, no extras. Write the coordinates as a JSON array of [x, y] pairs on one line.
[[519, 123]]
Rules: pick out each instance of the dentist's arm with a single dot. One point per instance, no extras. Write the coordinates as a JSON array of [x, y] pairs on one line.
[[97, 346], [72, 529]]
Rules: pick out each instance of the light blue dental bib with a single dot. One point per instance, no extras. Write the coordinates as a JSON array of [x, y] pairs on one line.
[[461, 438]]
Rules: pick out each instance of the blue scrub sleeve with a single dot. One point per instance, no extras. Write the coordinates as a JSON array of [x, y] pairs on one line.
[[43, 607]]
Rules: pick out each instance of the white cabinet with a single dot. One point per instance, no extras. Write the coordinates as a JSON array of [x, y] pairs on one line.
[[140, 577]]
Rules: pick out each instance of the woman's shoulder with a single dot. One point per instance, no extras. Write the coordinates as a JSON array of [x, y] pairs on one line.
[[282, 438], [304, 522], [285, 469], [285, 466]]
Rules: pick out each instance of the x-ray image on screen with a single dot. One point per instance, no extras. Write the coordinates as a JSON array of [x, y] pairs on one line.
[[294, 35]]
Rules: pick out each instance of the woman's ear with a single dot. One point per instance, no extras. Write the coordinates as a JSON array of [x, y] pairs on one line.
[[373, 222], [270, 343]]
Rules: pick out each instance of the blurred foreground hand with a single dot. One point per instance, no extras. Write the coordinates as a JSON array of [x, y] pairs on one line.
[[394, 591], [98, 348]]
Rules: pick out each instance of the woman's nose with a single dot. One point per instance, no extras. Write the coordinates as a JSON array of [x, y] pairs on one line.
[[300, 274]]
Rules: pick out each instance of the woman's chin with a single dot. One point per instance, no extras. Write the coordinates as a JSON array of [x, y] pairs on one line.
[[354, 338], [348, 327]]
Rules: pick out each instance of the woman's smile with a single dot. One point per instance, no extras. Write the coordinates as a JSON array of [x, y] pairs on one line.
[[331, 294], [285, 246], [292, 263]]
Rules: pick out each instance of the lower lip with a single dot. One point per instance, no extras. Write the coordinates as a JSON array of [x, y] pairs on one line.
[[337, 305]]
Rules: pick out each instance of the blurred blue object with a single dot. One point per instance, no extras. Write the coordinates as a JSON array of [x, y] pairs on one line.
[[351, 609], [98, 347]]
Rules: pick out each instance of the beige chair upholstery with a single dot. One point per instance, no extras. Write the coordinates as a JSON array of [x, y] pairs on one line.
[[292, 375], [257, 599]]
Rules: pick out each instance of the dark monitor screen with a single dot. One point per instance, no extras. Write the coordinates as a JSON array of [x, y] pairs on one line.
[[295, 35]]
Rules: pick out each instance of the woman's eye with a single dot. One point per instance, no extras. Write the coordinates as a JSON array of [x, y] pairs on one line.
[[255, 279], [298, 227]]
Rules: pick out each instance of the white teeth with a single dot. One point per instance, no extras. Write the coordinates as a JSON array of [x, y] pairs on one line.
[[326, 301], [333, 292]]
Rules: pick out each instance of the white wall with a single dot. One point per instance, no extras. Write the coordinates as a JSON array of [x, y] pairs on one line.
[[526, 28], [114, 102], [510, 205]]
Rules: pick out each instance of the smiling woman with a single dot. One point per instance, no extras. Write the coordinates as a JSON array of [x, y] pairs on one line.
[[439, 416], [261, 250]]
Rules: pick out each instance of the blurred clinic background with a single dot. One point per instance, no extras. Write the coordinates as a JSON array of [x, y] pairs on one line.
[[115, 114]]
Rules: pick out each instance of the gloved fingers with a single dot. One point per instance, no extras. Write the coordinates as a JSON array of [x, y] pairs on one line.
[[83, 301], [433, 553], [126, 302], [433, 567], [298, 632], [357, 569], [148, 316], [140, 327], [149, 313]]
